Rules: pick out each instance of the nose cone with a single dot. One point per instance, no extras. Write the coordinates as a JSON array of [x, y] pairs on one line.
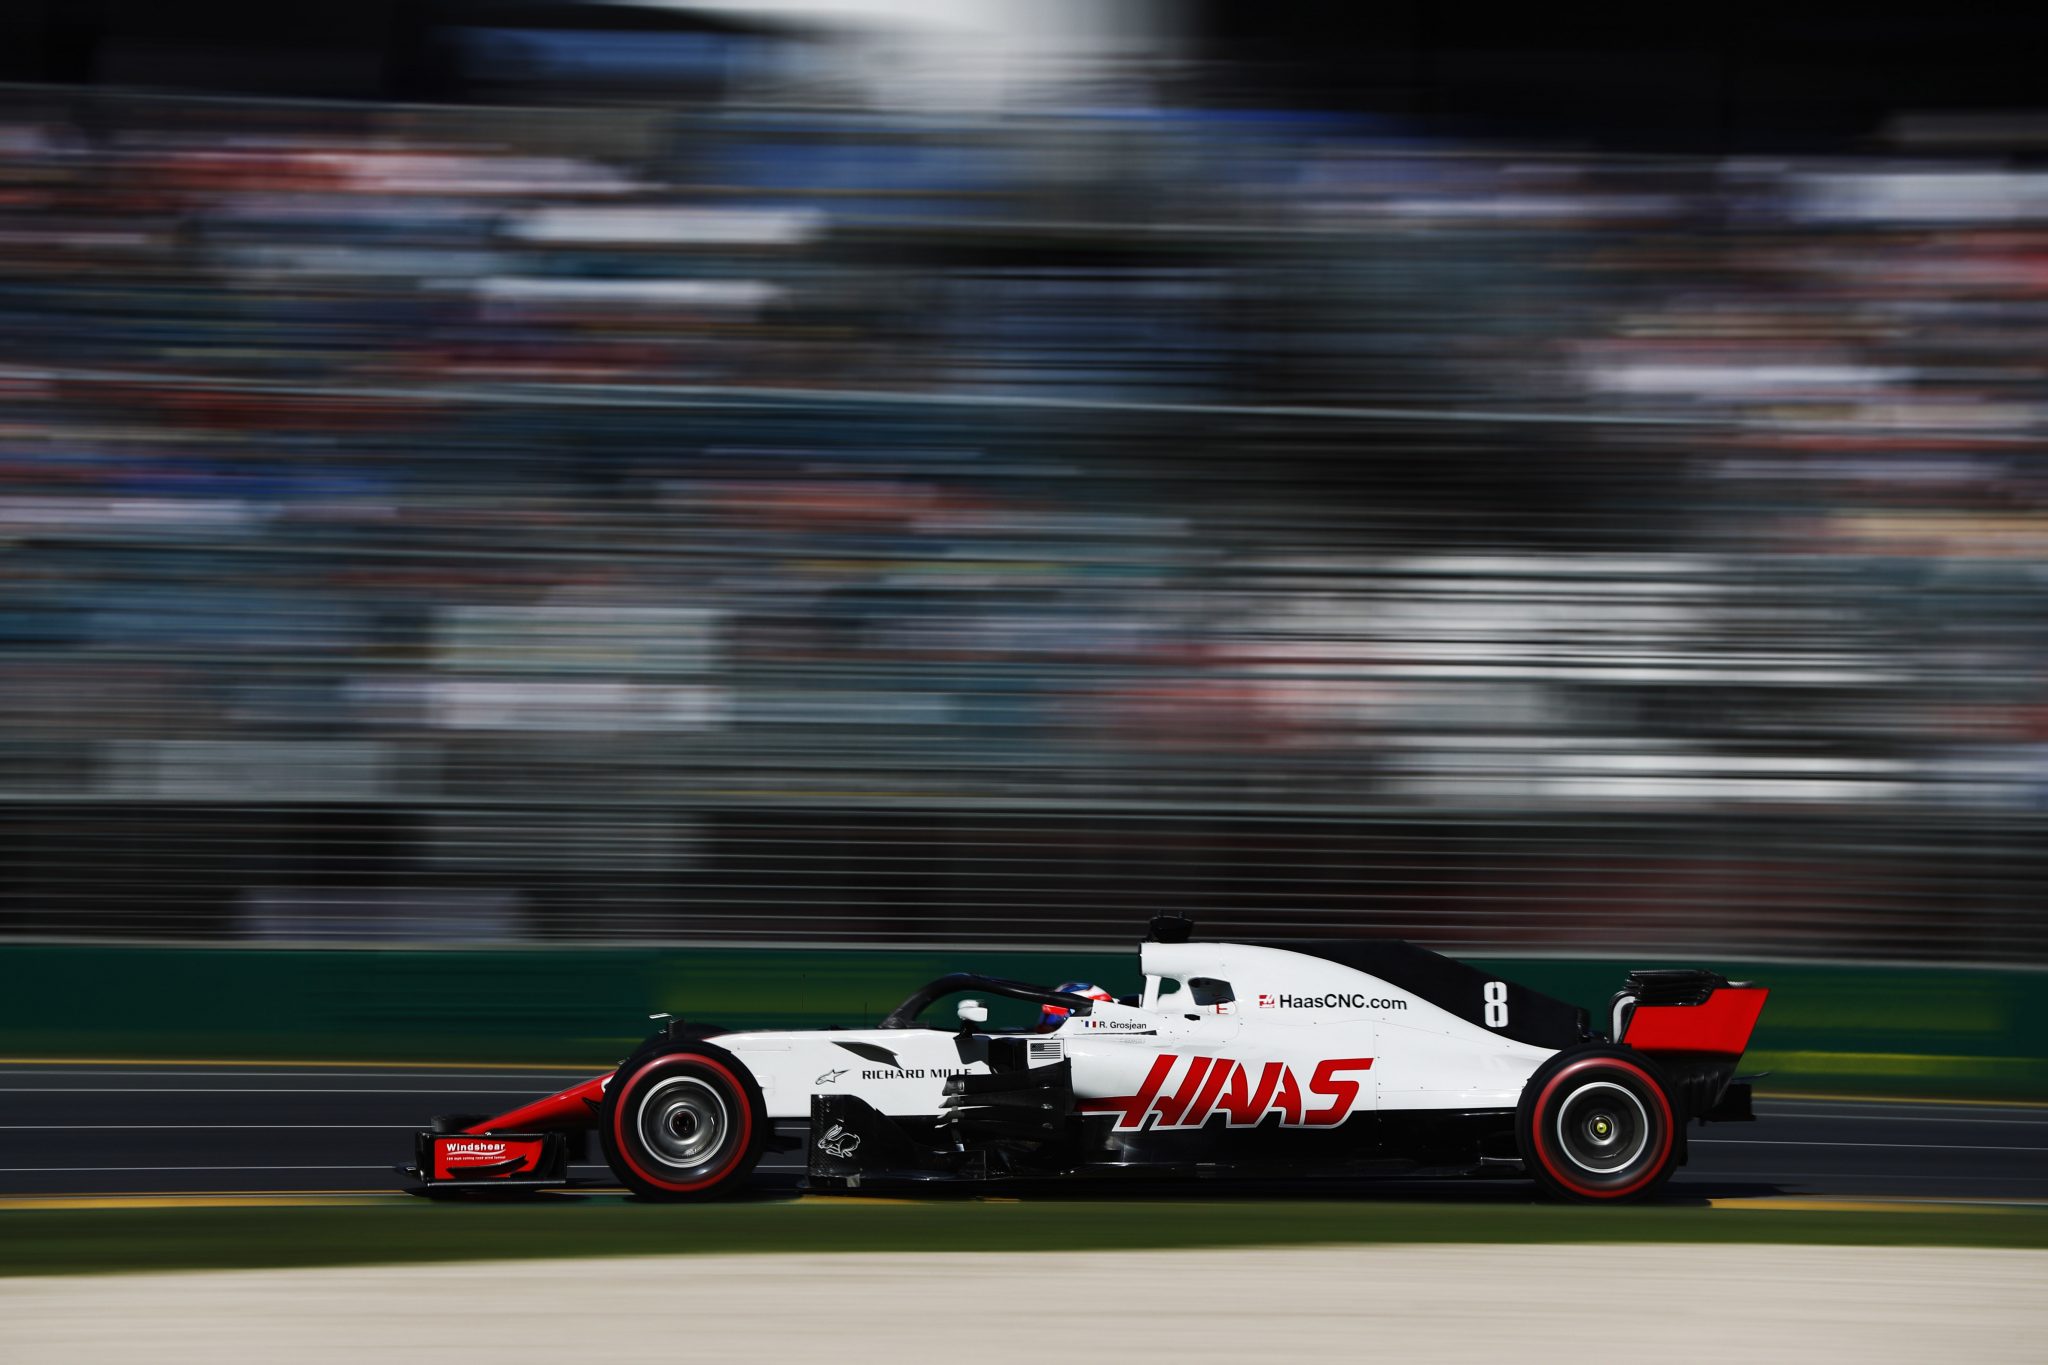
[[575, 1107]]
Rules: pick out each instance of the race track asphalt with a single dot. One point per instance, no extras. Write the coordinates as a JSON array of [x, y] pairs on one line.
[[137, 1127]]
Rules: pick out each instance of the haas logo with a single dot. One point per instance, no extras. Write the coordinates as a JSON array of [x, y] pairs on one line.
[[838, 1142], [1243, 1092]]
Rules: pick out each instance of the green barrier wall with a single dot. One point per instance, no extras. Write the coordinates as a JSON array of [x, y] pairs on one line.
[[1878, 1030]]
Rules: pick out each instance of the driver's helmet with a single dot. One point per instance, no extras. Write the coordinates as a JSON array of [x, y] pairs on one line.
[[1051, 1017]]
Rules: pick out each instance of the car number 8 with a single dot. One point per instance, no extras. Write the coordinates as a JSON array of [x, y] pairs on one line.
[[1496, 1004]]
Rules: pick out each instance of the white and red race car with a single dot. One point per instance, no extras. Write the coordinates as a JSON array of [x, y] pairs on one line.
[[1342, 1058]]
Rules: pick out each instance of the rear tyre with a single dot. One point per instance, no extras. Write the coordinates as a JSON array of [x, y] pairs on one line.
[[1597, 1125], [687, 1124]]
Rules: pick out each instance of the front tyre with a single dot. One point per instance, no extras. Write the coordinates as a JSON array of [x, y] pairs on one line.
[[687, 1124], [1597, 1125]]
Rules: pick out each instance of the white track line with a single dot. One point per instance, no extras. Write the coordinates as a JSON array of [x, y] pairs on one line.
[[1770, 1106], [1917, 1185], [1901, 1146], [193, 1127], [2041, 1122], [96, 1170], [352, 1074], [235, 1090]]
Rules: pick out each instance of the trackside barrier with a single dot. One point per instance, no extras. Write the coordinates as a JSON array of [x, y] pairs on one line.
[[1925, 1031]]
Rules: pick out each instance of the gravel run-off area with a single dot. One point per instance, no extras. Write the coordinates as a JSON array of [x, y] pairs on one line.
[[1482, 1303]]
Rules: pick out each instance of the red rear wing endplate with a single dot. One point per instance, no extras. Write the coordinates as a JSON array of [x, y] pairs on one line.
[[1719, 1025]]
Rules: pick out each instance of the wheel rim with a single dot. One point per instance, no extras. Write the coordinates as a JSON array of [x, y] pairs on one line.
[[1602, 1128], [682, 1122]]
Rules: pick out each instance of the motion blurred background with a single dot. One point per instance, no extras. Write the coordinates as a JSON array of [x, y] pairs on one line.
[[603, 503]]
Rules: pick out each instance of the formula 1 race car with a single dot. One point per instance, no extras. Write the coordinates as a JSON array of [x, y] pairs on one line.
[[1318, 1059]]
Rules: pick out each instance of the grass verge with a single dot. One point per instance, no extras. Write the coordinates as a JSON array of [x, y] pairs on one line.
[[53, 1242]]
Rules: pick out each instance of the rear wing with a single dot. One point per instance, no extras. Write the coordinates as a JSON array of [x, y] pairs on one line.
[[1698, 1024]]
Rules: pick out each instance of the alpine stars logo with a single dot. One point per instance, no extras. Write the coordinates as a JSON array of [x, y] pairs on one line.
[[1203, 1087], [830, 1076]]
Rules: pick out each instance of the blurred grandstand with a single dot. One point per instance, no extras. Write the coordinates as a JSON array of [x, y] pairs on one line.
[[490, 525]]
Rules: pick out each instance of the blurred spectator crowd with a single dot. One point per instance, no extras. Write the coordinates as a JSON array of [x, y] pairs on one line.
[[541, 488]]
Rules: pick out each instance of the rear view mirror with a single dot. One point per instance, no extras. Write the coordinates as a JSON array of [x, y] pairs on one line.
[[973, 1012]]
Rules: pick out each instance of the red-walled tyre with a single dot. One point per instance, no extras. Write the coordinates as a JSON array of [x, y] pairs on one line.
[[1597, 1125], [686, 1124]]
